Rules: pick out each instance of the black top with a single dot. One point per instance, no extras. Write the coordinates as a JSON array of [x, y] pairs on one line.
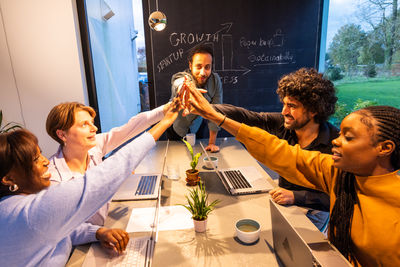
[[273, 123]]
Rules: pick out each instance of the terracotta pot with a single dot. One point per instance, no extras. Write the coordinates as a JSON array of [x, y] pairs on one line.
[[192, 177], [200, 226]]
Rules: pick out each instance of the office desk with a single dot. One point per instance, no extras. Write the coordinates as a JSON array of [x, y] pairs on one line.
[[218, 246]]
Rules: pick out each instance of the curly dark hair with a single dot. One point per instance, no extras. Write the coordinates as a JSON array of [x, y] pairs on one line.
[[310, 88]]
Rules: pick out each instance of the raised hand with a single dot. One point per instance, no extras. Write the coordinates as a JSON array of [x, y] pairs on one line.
[[197, 104], [172, 111]]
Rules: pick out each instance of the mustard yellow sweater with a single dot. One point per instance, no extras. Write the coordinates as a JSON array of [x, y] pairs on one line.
[[375, 230]]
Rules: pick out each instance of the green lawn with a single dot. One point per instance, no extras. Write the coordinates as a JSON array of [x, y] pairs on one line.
[[383, 91]]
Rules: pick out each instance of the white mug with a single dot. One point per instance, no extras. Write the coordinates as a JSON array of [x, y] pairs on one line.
[[190, 138]]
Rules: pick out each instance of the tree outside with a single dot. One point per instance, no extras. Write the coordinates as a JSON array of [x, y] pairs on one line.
[[363, 58]]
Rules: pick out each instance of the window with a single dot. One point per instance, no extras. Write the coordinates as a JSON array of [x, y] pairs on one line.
[[362, 54]]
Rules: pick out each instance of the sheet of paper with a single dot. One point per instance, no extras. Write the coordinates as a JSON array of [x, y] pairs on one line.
[[170, 218]]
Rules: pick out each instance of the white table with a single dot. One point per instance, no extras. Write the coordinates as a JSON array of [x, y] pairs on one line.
[[218, 246]]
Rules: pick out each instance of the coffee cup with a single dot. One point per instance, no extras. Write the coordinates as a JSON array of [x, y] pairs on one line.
[[248, 230], [190, 138]]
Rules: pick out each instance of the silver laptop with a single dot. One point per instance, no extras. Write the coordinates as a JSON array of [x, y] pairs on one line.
[[139, 251], [241, 180], [141, 186], [292, 250]]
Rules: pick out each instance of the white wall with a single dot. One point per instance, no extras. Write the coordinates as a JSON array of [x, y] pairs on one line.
[[40, 62]]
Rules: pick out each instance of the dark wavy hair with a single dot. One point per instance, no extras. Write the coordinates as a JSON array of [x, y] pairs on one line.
[[388, 128], [200, 49], [18, 150], [310, 88]]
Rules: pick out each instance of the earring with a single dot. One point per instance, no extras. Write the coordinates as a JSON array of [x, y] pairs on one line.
[[13, 187]]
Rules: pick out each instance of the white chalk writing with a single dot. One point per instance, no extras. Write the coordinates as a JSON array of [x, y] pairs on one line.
[[275, 41], [264, 59], [173, 57], [229, 79], [176, 39]]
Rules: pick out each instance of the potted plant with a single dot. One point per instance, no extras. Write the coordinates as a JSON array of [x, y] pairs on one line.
[[192, 175], [9, 126], [199, 207]]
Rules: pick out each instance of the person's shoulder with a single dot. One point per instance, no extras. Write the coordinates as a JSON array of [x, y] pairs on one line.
[[56, 156], [216, 75], [182, 74], [332, 128]]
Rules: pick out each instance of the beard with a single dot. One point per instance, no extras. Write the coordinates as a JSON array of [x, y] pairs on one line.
[[297, 124], [201, 84]]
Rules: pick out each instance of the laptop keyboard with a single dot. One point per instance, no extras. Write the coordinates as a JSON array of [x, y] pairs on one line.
[[134, 255], [237, 179], [146, 185]]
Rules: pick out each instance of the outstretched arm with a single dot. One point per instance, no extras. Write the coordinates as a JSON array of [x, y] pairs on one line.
[[307, 168], [197, 104], [169, 118]]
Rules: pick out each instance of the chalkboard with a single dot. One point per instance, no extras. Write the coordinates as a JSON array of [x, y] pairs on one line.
[[255, 42]]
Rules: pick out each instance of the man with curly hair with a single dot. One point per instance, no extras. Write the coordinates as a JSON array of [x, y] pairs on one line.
[[308, 100]]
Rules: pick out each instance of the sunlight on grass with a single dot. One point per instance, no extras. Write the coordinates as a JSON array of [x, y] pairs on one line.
[[383, 91], [379, 91]]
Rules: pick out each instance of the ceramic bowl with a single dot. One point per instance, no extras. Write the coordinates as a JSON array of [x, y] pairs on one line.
[[248, 230], [208, 164]]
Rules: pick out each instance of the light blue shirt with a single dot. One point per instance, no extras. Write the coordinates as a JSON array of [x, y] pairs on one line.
[[37, 229]]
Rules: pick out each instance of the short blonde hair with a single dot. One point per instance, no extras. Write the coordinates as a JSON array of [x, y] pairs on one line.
[[62, 117]]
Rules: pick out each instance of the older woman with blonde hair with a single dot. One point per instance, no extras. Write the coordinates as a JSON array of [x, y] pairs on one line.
[[71, 124]]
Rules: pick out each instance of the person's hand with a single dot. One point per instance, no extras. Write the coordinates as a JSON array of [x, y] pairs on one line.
[[172, 111], [166, 107], [282, 196], [196, 103], [184, 95], [212, 147], [113, 239]]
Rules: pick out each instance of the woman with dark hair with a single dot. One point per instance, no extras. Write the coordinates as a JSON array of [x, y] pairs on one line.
[[361, 176], [38, 222]]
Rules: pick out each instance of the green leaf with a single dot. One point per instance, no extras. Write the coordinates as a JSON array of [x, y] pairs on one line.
[[189, 147], [198, 202], [9, 126]]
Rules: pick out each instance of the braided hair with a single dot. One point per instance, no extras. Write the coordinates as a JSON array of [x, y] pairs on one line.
[[388, 128]]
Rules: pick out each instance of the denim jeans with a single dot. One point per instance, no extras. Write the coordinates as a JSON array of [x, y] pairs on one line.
[[319, 218]]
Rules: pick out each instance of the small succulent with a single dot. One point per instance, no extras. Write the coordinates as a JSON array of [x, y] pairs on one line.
[[195, 158], [198, 203]]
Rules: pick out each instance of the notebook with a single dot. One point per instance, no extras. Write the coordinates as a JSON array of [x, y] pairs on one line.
[[241, 180], [141, 186], [292, 250]]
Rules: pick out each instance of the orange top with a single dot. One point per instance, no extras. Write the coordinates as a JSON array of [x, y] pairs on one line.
[[375, 229]]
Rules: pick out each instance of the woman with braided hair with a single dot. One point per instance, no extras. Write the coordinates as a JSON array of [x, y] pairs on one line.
[[361, 177]]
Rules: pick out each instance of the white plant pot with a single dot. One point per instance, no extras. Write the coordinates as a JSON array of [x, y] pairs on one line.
[[200, 226]]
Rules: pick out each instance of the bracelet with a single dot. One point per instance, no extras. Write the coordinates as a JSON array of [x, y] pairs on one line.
[[222, 122]]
